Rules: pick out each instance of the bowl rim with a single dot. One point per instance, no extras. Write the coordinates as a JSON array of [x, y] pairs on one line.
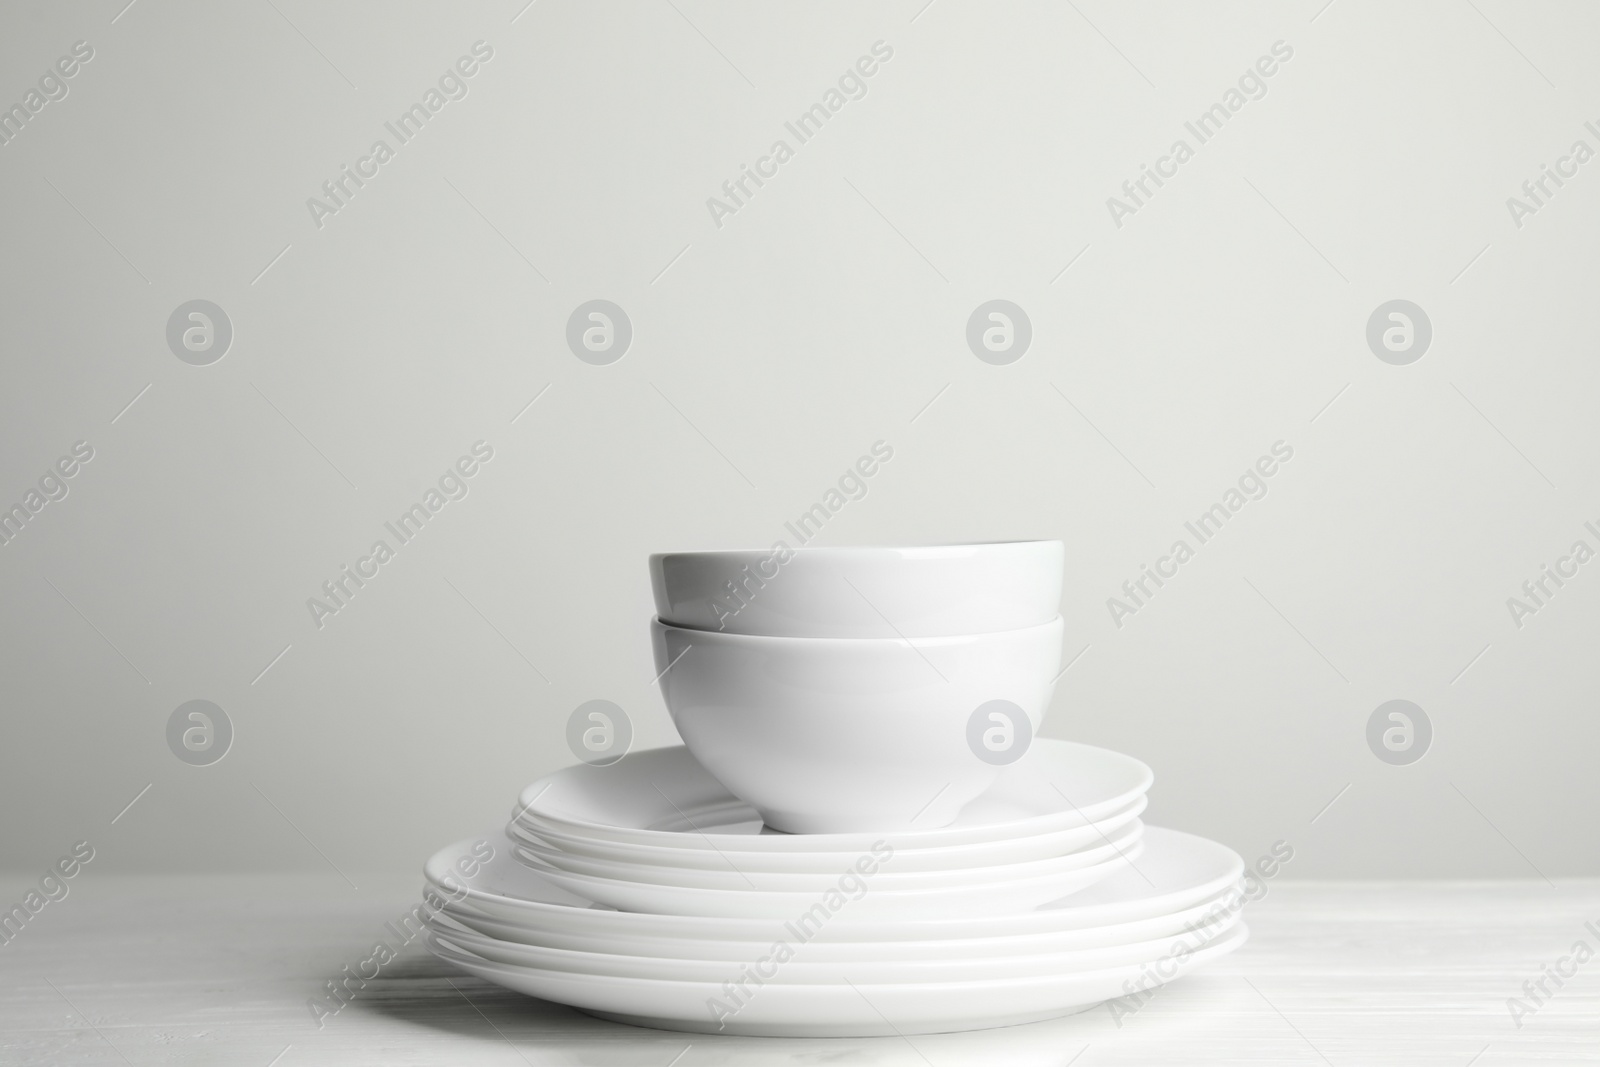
[[1056, 621], [917, 553]]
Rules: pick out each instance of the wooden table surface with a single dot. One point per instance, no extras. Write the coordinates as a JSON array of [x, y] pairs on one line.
[[219, 970]]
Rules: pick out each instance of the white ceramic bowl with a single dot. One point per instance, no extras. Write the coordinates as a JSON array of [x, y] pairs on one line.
[[937, 591], [831, 735]]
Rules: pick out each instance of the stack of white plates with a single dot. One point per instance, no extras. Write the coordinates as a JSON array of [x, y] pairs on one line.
[[647, 893]]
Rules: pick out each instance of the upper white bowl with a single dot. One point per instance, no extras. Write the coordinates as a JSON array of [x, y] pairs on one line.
[[936, 591]]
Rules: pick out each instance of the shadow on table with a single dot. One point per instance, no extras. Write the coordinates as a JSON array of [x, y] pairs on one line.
[[428, 992]]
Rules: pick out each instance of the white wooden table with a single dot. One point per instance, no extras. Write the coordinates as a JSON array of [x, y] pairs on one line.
[[218, 970]]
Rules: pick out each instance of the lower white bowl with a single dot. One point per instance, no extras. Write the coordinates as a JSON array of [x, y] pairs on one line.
[[837, 735]]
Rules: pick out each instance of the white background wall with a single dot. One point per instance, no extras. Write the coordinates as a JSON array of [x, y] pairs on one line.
[[1227, 314]]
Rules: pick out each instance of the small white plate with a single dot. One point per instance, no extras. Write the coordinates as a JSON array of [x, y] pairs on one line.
[[846, 1009], [663, 797], [859, 895], [951, 857], [884, 867], [1176, 871]]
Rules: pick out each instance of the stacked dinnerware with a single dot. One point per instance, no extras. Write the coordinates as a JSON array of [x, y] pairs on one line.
[[862, 834]]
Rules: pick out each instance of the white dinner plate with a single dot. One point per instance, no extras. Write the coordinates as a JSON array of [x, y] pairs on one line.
[[846, 1009], [950, 857], [1209, 912], [884, 867], [798, 969], [1177, 871], [663, 797]]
